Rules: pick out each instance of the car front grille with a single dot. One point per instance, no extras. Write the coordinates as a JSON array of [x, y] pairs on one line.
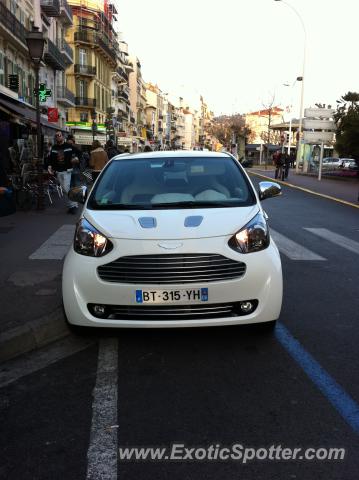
[[173, 268], [172, 312]]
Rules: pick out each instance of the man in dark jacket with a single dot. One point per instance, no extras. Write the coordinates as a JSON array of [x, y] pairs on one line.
[[62, 160]]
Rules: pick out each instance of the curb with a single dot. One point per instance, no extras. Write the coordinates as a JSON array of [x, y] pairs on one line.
[[338, 200], [33, 335]]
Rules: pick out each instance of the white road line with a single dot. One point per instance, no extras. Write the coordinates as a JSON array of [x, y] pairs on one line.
[[339, 240], [293, 250], [102, 452], [39, 359], [56, 246]]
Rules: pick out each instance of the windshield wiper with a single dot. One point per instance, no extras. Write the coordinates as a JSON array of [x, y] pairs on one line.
[[119, 206], [192, 204]]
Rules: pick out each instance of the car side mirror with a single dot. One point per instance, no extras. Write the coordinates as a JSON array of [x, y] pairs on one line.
[[268, 190], [78, 194]]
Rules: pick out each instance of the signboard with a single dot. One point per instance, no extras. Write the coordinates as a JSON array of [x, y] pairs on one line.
[[14, 83], [87, 139], [318, 137], [52, 114], [319, 112], [310, 124]]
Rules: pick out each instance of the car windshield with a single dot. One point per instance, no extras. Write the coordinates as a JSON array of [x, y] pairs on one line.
[[171, 182]]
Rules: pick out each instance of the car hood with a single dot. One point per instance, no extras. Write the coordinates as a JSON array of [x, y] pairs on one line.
[[170, 224]]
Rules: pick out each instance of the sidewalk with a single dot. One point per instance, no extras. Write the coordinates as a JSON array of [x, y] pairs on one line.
[[344, 190], [30, 297]]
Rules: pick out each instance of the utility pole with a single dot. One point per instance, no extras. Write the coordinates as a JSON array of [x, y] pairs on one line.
[[268, 142]]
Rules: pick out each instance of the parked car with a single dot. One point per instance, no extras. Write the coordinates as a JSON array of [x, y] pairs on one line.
[[332, 163], [350, 164], [172, 239], [247, 162]]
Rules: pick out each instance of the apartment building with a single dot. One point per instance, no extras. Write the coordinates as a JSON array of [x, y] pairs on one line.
[[96, 57]]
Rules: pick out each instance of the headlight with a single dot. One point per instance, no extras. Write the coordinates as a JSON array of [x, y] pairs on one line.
[[253, 237], [89, 241]]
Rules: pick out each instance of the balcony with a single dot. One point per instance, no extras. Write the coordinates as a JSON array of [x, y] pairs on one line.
[[132, 120], [53, 56], [65, 97], [66, 13], [83, 36], [85, 102], [102, 42], [86, 70], [122, 95], [50, 7], [12, 24], [67, 52]]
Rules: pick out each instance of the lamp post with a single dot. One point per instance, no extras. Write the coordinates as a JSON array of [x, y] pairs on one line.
[[302, 80], [35, 43], [298, 79], [94, 124]]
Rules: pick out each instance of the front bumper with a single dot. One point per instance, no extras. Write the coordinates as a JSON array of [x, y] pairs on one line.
[[262, 281]]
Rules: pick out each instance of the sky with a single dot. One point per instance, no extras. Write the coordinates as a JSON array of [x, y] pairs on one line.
[[239, 54]]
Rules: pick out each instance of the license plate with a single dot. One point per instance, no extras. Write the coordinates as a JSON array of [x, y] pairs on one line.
[[192, 295]]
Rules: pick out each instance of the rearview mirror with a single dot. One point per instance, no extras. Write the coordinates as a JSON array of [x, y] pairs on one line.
[[268, 190], [78, 194]]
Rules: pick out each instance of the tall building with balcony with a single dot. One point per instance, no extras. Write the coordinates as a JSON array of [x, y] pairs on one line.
[[96, 51], [138, 101], [120, 90], [17, 76], [56, 18]]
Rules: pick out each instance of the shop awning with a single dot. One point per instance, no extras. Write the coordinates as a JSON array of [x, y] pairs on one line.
[[25, 113]]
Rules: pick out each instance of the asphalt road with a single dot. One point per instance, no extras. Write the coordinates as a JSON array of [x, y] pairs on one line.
[[201, 387]]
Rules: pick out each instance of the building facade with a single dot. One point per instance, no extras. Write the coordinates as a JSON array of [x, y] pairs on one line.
[[96, 56]]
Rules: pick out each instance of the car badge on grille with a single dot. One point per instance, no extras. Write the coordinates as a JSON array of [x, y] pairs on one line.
[[170, 246]]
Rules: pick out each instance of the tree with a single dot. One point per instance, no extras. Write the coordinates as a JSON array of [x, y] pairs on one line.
[[230, 128], [347, 122]]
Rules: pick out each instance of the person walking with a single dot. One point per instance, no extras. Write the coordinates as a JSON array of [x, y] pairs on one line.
[[98, 159], [61, 162], [278, 162], [286, 166], [111, 149]]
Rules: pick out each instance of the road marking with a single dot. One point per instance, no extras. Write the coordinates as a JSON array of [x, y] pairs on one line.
[[293, 250], [336, 395], [338, 200], [56, 246], [32, 362], [335, 238], [102, 452]]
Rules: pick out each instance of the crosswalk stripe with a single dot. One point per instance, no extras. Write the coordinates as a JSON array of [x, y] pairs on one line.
[[293, 250], [339, 240], [56, 246]]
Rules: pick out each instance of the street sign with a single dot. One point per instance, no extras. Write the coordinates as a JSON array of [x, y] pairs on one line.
[[318, 137], [310, 124], [319, 112], [53, 114], [43, 92]]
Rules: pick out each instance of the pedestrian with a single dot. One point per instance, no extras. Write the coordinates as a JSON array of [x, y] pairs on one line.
[[98, 159], [111, 149], [292, 159], [278, 162], [147, 149], [61, 162]]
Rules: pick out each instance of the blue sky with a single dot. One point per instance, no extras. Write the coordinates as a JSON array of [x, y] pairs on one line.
[[238, 53]]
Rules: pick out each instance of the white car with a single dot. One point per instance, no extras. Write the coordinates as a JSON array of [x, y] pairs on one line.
[[172, 239], [332, 163]]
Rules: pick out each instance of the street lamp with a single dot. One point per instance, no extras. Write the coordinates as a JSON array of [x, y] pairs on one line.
[[298, 79], [35, 43], [302, 80]]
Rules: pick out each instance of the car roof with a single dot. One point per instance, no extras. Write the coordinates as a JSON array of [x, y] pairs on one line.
[[173, 153]]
